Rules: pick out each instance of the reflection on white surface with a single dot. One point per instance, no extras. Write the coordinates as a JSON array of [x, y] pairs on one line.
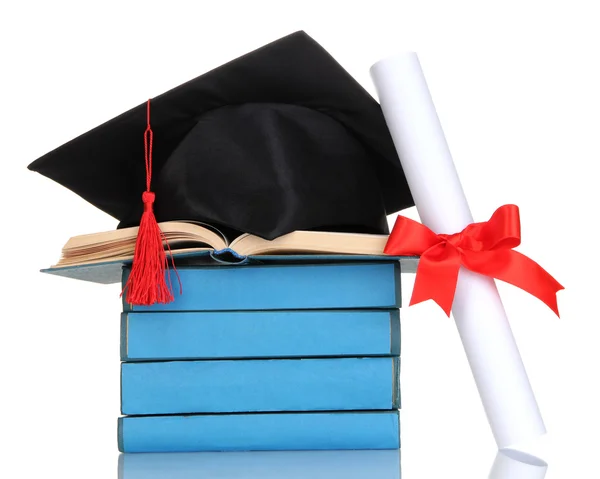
[[510, 464], [262, 465]]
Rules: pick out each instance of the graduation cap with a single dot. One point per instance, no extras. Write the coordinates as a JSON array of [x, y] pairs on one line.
[[278, 140]]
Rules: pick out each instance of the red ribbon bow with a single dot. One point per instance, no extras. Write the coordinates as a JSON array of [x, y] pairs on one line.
[[485, 248]]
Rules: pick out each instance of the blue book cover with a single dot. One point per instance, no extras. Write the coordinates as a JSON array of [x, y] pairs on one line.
[[256, 385], [283, 286], [260, 432], [259, 334], [111, 271]]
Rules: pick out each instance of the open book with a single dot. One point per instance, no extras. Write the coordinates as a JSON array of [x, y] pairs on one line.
[[183, 237]]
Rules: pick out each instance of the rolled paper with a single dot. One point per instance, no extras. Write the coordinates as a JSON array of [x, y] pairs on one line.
[[485, 332], [511, 464]]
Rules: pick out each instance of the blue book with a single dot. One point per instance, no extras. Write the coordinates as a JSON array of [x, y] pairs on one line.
[[111, 271], [257, 385], [283, 286], [260, 432], [259, 334]]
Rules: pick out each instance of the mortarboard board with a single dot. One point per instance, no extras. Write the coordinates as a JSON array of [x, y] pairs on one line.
[[278, 140]]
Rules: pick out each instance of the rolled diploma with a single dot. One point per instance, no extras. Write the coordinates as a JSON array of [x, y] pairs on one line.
[[496, 364]]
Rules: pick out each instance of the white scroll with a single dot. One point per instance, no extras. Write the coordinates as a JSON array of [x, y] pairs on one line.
[[505, 391]]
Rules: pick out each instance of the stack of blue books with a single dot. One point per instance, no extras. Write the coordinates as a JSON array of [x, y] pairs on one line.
[[265, 357]]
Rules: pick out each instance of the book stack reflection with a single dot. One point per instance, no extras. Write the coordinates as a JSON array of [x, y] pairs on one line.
[[384, 464], [263, 465]]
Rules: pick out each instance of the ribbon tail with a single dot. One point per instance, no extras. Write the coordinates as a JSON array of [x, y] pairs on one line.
[[521, 271], [437, 274]]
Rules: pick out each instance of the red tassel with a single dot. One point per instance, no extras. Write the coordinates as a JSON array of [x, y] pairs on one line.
[[147, 283]]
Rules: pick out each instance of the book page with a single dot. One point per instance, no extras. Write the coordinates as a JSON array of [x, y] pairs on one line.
[[312, 242], [63, 262], [119, 245], [172, 230]]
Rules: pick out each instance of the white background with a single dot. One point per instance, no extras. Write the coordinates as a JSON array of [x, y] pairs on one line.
[[517, 90]]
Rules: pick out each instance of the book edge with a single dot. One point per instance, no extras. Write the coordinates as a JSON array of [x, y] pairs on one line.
[[120, 437], [395, 335], [124, 349]]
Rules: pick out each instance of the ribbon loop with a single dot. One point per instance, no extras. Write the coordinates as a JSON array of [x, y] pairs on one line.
[[485, 248]]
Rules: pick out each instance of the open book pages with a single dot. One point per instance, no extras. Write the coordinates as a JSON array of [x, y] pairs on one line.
[[185, 237]]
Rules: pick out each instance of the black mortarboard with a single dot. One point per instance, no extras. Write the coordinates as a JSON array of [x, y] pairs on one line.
[[280, 139]]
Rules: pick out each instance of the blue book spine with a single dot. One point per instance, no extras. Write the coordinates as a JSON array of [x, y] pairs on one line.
[[259, 334], [287, 287], [260, 432], [256, 385]]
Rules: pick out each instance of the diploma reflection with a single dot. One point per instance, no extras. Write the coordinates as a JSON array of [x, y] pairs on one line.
[[511, 464], [262, 465]]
